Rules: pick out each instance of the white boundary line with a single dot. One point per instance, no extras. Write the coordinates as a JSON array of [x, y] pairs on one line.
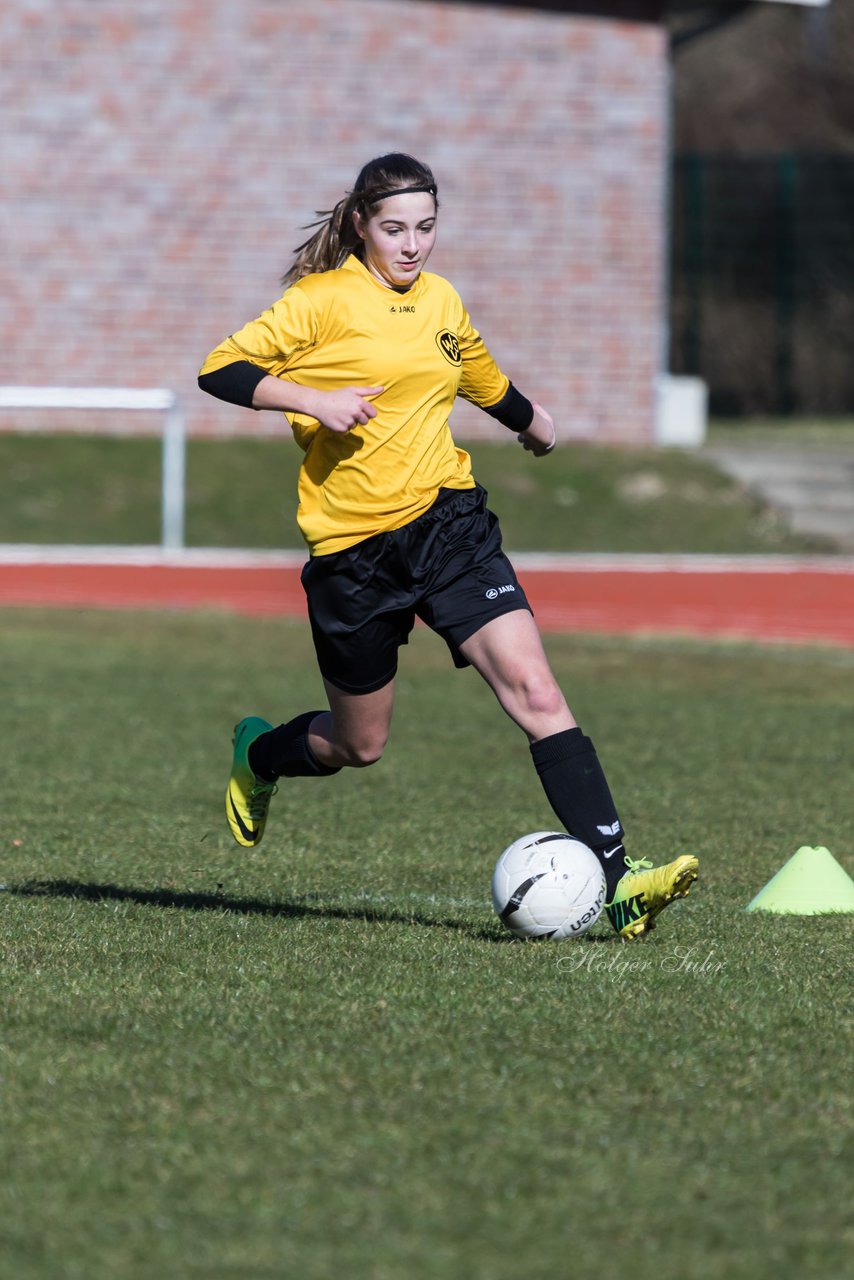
[[149, 557], [230, 557], [675, 563]]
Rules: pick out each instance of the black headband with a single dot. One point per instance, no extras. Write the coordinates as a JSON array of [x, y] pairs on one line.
[[429, 188]]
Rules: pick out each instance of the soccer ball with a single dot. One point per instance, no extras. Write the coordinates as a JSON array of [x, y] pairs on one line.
[[548, 885]]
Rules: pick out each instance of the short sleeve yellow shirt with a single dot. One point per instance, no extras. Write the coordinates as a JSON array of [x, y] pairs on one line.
[[344, 328]]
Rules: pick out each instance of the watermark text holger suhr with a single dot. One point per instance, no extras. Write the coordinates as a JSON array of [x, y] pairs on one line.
[[617, 964]]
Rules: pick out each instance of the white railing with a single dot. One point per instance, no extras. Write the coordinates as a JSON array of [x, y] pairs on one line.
[[152, 400]]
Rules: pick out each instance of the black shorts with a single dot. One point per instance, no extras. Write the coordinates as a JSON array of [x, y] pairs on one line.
[[445, 567]]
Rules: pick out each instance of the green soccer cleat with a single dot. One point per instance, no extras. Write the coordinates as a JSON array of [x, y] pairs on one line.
[[248, 796], [644, 892]]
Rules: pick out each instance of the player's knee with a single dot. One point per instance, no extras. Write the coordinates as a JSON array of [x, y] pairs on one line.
[[361, 752], [542, 695]]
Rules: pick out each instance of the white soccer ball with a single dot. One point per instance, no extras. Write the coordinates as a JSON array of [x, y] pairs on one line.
[[548, 885]]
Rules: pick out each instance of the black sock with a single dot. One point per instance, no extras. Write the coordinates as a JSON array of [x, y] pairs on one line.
[[285, 753], [577, 790]]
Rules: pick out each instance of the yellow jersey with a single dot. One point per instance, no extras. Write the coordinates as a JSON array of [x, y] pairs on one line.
[[343, 328]]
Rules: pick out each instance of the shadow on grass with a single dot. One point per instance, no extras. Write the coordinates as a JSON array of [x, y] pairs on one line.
[[82, 891]]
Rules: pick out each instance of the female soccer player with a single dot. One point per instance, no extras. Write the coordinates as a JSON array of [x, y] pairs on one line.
[[365, 353]]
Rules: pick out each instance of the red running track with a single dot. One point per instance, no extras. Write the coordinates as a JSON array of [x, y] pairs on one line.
[[801, 601]]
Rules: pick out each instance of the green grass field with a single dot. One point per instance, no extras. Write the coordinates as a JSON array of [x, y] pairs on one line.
[[243, 494], [326, 1058]]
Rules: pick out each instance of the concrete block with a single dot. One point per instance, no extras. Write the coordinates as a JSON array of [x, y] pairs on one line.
[[681, 411]]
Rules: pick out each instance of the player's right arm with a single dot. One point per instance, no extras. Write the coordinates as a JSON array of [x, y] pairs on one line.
[[338, 411], [249, 367]]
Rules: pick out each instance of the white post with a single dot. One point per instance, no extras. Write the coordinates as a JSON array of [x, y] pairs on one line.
[[151, 399]]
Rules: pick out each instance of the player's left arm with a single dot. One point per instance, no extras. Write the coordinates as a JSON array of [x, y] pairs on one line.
[[483, 383], [540, 437]]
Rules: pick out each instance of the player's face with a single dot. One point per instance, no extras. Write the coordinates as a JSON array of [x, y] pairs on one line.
[[399, 237]]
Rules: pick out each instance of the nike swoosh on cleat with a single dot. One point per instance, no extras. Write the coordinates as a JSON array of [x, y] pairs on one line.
[[251, 836]]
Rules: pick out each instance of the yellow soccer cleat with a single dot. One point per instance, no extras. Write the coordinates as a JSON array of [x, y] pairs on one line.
[[644, 892], [248, 796]]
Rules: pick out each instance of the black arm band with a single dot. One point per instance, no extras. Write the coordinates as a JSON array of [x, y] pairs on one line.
[[234, 383], [513, 410]]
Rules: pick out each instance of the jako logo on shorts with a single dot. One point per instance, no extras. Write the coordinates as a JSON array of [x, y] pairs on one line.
[[494, 592]]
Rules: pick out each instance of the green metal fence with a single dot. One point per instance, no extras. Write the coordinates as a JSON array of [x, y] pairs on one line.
[[762, 281]]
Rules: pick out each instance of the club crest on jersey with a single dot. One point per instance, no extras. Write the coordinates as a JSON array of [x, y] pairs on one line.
[[449, 346]]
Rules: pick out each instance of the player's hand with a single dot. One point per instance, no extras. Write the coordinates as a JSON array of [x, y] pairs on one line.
[[541, 437], [340, 411]]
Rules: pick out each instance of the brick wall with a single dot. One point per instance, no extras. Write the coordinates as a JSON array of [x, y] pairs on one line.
[[158, 160]]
